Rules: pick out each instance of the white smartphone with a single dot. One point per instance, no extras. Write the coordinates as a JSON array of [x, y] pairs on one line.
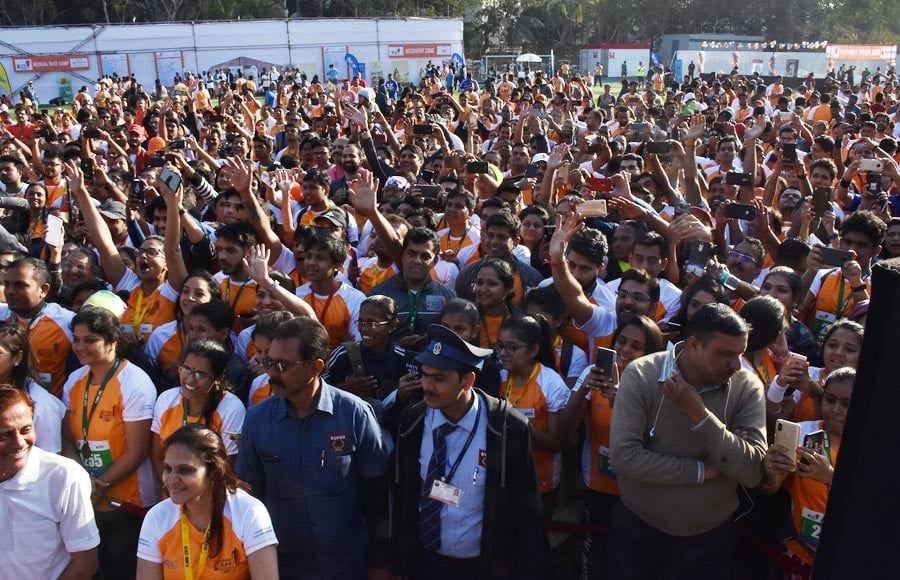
[[871, 165], [54, 234], [787, 434]]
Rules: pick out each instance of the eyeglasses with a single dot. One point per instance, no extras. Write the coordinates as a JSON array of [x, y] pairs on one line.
[[508, 348], [280, 365], [636, 296], [149, 252], [371, 323], [747, 259], [187, 371]]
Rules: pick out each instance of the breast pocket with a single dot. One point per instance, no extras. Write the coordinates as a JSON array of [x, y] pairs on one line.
[[331, 474], [32, 538]]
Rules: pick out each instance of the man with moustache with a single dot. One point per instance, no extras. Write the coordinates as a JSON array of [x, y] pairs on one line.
[[311, 454]]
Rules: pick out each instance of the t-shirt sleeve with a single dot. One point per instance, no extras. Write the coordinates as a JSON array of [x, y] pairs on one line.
[[578, 363], [129, 282], [158, 410], [77, 525], [285, 262], [555, 392], [816, 285], [601, 323], [232, 412], [151, 533], [138, 396], [256, 531]]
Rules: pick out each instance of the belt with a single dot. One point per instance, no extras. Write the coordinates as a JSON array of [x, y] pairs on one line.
[[455, 560]]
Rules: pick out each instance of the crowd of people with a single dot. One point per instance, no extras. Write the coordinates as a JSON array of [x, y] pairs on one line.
[[391, 332]]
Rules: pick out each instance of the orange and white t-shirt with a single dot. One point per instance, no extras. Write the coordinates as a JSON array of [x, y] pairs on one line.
[[239, 296], [228, 420], [260, 390], [808, 501], [129, 397], [246, 528], [595, 467], [371, 274], [545, 393], [471, 236], [145, 313], [50, 342], [834, 299], [338, 310], [166, 344]]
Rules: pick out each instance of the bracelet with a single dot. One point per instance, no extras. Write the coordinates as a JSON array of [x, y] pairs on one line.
[[181, 211], [273, 287], [845, 184], [859, 288]]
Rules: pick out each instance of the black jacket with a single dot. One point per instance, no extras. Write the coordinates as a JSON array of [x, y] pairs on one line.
[[512, 537]]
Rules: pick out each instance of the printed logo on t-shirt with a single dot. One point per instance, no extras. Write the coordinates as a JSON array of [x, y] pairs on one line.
[[338, 442]]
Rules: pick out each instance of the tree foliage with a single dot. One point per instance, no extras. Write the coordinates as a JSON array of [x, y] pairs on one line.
[[517, 25]]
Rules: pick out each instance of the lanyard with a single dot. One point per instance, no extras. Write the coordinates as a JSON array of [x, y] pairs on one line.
[[762, 372], [185, 408], [186, 548], [841, 303], [85, 414], [380, 274], [237, 296], [459, 458], [312, 301], [34, 226], [458, 245], [139, 312], [34, 319], [827, 446], [483, 323], [509, 383], [413, 309]]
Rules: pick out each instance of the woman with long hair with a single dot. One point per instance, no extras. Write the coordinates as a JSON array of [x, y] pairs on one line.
[[209, 519], [494, 290], [15, 369], [591, 404], [785, 285], [107, 429], [531, 384], [201, 398]]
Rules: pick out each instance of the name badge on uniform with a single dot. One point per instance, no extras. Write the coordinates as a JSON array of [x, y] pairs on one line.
[[445, 493], [434, 303], [146, 328], [605, 469], [527, 412], [822, 321]]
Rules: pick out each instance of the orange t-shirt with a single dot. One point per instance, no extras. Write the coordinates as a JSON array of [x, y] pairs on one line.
[[338, 311], [128, 398], [146, 313], [241, 297], [597, 473], [50, 342]]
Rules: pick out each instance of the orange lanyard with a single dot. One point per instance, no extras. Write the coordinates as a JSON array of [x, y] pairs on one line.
[[509, 384], [312, 301]]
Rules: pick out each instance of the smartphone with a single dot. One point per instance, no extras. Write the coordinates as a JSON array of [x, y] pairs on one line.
[[427, 176], [177, 144], [640, 127], [740, 179], [785, 117], [815, 441], [54, 233], [170, 178], [658, 147], [835, 257], [605, 361], [87, 168], [757, 111], [430, 191], [425, 129], [157, 161], [787, 434], [531, 171], [412, 365], [873, 182], [700, 251], [822, 200], [91, 133], [871, 165], [740, 211], [600, 184], [137, 189], [795, 356], [477, 167], [789, 151], [549, 230]]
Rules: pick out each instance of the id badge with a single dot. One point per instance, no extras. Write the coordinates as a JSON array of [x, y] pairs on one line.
[[445, 493], [811, 526], [96, 457], [605, 469], [146, 329], [529, 413], [822, 321]]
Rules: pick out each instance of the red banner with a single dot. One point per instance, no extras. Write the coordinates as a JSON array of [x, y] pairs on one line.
[[44, 63]]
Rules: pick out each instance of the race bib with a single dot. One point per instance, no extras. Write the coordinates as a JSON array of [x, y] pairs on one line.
[[605, 469], [822, 321], [45, 378], [445, 493], [811, 526], [98, 458]]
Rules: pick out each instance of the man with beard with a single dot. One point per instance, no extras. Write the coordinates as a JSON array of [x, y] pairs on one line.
[[233, 244], [350, 161], [135, 150], [11, 182], [312, 453], [637, 293]]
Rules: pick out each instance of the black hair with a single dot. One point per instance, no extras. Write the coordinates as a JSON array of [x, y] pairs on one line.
[[267, 323], [314, 341], [241, 233], [590, 243], [765, 315], [98, 321], [716, 318], [866, 223], [534, 330], [335, 248], [217, 356]]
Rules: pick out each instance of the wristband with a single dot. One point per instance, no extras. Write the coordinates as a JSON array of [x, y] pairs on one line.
[[775, 394], [273, 287], [845, 184], [859, 288]]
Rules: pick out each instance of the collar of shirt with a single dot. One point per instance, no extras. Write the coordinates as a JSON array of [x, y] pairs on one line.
[[324, 403], [27, 477], [436, 418]]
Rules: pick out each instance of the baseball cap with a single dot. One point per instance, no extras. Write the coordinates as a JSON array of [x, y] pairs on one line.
[[398, 182], [135, 128], [113, 209], [108, 300], [540, 157], [447, 351], [334, 215]]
